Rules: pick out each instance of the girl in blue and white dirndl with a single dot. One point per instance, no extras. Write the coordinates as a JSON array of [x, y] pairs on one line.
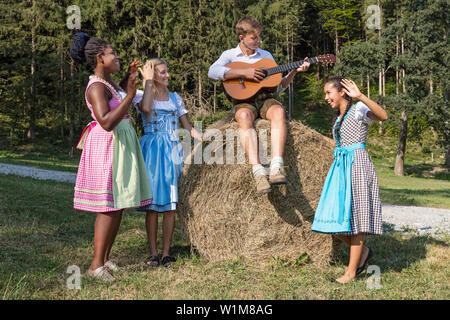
[[162, 151]]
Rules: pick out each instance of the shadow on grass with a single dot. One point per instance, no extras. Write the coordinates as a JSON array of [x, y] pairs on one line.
[[424, 171], [392, 254], [427, 171], [407, 196], [427, 192]]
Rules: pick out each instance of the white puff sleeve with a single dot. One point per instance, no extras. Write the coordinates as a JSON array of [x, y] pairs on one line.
[[181, 109], [138, 98], [361, 113]]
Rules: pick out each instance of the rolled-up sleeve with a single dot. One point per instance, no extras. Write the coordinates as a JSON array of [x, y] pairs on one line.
[[217, 70]]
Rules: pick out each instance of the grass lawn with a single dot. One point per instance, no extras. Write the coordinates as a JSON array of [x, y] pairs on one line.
[[43, 157], [426, 183], [41, 236]]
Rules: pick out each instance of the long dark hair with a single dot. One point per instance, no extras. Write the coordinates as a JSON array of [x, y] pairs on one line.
[[336, 81], [86, 49]]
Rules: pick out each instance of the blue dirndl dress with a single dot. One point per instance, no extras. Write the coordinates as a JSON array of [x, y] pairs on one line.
[[163, 156], [333, 213]]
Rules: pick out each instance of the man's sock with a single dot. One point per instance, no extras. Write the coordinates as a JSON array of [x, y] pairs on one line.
[[276, 163], [258, 170]]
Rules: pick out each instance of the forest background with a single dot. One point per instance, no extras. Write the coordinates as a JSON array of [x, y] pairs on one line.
[[396, 51]]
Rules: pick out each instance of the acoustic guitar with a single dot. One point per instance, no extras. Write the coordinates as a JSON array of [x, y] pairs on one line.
[[242, 89]]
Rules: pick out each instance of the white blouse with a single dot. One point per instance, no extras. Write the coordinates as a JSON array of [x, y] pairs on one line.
[[361, 113], [161, 104]]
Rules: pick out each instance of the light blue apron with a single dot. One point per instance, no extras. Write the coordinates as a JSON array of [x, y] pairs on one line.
[[333, 213]]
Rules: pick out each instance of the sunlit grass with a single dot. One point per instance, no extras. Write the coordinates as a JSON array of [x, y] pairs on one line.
[[42, 235]]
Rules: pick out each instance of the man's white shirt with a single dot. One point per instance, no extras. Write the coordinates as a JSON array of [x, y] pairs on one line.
[[217, 70]]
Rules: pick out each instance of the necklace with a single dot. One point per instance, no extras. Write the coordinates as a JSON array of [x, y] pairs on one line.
[[93, 76]]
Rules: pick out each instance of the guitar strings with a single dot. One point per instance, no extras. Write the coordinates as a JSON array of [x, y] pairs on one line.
[[288, 66]]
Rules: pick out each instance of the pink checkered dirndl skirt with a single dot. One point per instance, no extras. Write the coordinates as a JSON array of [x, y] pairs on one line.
[[94, 186]]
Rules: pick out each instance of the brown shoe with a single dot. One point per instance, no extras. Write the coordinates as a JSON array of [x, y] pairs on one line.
[[278, 177], [262, 185]]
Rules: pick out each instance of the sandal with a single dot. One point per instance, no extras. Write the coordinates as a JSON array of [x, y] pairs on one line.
[[101, 273], [167, 261], [361, 269], [152, 261], [112, 266]]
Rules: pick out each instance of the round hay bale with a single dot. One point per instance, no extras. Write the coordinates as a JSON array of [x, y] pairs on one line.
[[224, 218]]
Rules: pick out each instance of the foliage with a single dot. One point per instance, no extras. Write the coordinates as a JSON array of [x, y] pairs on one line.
[[190, 35]]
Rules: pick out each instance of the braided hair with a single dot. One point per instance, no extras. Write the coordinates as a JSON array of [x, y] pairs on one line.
[[336, 81], [86, 49]]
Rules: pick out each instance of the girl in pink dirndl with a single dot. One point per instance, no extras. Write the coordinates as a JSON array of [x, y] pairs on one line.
[[111, 174]]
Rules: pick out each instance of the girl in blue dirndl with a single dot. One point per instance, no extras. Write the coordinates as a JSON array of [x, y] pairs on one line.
[[161, 113], [350, 205]]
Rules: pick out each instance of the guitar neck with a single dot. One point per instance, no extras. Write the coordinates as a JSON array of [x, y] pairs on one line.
[[289, 66]]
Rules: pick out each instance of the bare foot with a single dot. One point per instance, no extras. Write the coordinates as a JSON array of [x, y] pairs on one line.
[[345, 279], [95, 266]]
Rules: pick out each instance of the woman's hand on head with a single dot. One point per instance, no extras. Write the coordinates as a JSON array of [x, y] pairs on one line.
[[148, 71], [350, 88], [134, 66]]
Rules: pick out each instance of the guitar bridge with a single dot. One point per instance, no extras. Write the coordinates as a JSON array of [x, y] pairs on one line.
[[241, 81]]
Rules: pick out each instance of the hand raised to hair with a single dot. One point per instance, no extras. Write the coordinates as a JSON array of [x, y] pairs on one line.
[[350, 88], [148, 71], [134, 66]]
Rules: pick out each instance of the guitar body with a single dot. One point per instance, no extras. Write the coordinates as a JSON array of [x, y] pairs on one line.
[[242, 89]]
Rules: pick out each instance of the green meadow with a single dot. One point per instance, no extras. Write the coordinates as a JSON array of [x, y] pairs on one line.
[[41, 235]]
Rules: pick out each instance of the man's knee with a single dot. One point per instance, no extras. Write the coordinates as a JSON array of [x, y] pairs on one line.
[[276, 113], [245, 115]]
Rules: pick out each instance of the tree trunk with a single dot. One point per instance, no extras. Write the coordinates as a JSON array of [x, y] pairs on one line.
[[289, 59], [397, 73], [72, 105], [337, 42], [199, 88], [431, 85], [380, 83], [447, 157], [215, 85], [381, 94], [401, 147], [31, 135], [61, 92], [403, 70]]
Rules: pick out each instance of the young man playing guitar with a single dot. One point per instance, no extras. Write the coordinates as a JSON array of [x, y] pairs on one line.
[[262, 104]]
